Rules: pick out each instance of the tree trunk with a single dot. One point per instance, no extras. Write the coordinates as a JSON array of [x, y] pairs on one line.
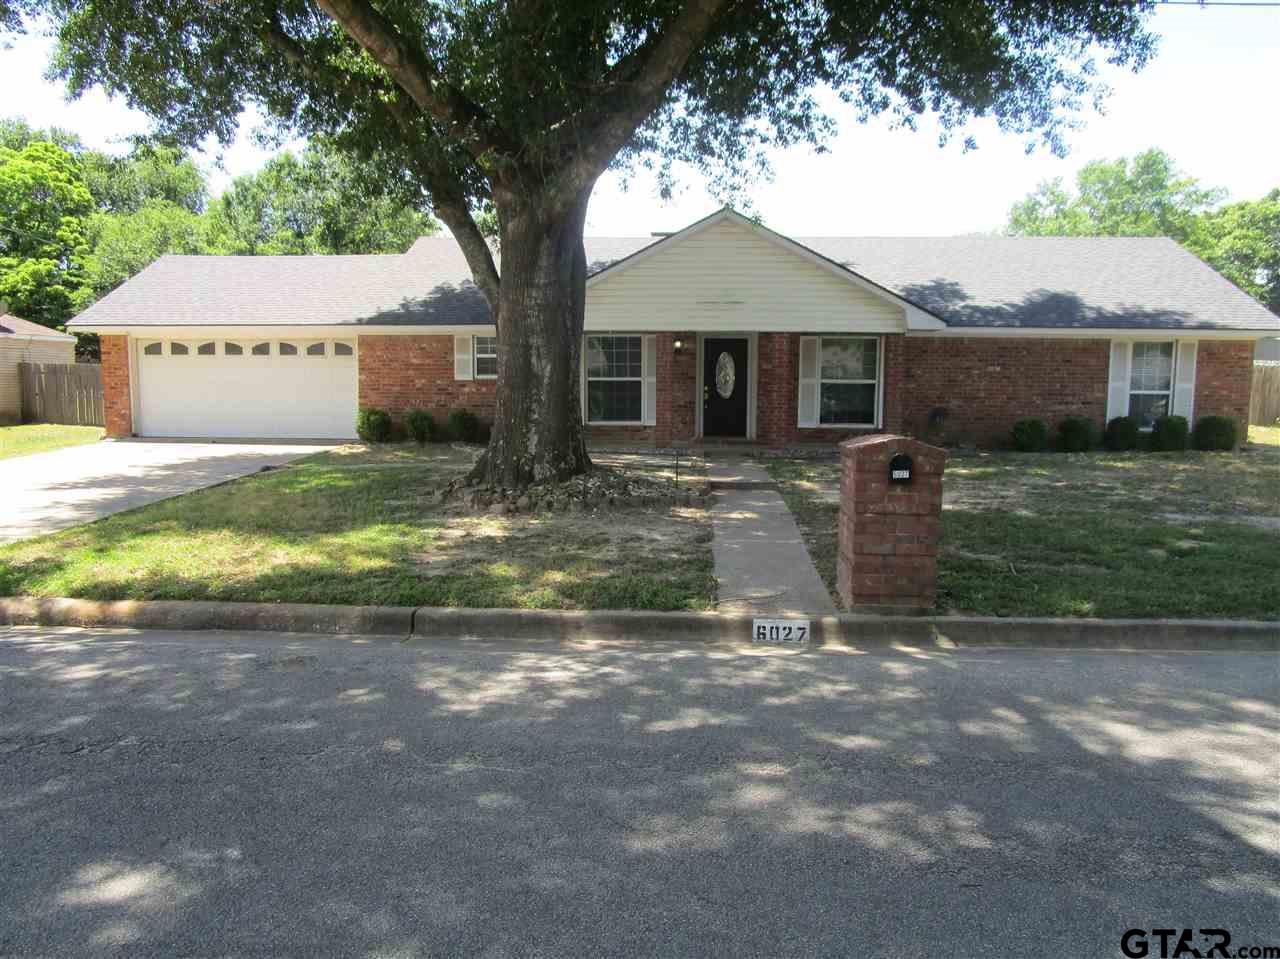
[[537, 427]]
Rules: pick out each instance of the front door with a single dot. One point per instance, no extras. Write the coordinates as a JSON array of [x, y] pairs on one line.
[[724, 387]]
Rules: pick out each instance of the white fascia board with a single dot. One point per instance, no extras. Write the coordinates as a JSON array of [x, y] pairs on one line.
[[1051, 333], [227, 331], [50, 337]]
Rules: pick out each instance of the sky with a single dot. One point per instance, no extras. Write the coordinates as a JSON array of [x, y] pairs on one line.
[[1206, 98]]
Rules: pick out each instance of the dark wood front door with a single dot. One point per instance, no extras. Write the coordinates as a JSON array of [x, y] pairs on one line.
[[724, 387]]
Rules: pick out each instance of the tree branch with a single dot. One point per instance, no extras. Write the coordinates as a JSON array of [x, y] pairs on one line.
[[448, 199], [638, 95], [419, 77]]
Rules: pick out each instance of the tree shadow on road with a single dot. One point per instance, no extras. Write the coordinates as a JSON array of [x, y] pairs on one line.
[[373, 798]]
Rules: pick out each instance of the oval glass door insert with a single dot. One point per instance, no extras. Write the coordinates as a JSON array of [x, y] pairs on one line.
[[726, 375]]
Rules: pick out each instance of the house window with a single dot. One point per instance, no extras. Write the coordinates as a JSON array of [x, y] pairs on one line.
[[486, 353], [261, 349], [287, 349], [615, 385], [315, 349], [178, 349], [153, 349], [206, 349], [232, 349], [1151, 382], [848, 384], [342, 349]]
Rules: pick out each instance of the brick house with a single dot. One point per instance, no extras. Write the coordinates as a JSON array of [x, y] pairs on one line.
[[723, 331]]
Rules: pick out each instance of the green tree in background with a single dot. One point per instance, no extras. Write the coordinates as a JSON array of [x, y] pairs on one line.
[[1148, 196], [44, 210], [321, 201], [1145, 196], [122, 245], [1242, 241]]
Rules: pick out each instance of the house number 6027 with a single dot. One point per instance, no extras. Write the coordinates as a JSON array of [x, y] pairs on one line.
[[780, 630]]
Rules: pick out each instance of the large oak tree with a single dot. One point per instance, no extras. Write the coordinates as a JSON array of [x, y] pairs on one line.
[[520, 106]]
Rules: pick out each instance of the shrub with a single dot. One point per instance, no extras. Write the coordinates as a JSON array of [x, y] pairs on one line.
[[1030, 435], [1215, 433], [421, 425], [373, 425], [1121, 435], [1076, 434], [1169, 434], [466, 426]]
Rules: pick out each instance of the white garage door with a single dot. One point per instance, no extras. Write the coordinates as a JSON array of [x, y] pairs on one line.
[[302, 389]]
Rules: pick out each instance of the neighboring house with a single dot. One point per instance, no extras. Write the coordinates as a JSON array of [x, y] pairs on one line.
[[22, 341], [723, 330]]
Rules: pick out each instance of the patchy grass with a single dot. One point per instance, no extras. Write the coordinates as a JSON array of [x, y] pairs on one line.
[[42, 437], [1095, 534], [1265, 435], [354, 526]]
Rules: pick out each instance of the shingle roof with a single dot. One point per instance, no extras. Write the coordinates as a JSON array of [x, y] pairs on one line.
[[1019, 282], [11, 325], [1052, 282]]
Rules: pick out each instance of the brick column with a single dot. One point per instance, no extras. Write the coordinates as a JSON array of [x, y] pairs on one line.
[[116, 399], [677, 385], [889, 532]]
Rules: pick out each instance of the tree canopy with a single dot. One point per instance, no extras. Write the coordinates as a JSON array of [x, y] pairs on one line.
[[523, 104], [1148, 196]]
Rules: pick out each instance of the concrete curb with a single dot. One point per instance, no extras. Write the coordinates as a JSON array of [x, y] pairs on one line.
[[160, 614], [845, 631]]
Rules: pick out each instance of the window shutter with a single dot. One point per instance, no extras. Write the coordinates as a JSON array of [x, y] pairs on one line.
[[1184, 379], [462, 365], [1118, 379], [649, 373], [808, 405]]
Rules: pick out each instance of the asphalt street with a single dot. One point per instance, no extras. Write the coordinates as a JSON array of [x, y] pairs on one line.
[[170, 794]]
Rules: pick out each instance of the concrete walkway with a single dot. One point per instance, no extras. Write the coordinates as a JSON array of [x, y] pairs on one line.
[[50, 491], [761, 563]]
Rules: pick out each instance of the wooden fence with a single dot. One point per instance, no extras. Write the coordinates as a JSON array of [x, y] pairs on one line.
[[1264, 401], [62, 393]]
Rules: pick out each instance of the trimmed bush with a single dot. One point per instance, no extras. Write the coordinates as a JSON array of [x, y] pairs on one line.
[[1170, 434], [1121, 434], [421, 425], [1030, 435], [1076, 434], [466, 426], [1215, 433], [373, 425]]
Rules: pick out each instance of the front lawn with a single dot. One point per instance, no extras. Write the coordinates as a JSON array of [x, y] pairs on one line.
[[1095, 534], [357, 526], [42, 437]]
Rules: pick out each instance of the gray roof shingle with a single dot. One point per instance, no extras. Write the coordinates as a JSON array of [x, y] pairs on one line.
[[1019, 282]]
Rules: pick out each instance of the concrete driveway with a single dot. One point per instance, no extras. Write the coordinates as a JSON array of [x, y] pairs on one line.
[[51, 491], [169, 794]]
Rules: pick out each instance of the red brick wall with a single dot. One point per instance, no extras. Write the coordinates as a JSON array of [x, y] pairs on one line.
[[1224, 377], [986, 384], [402, 373], [778, 393], [116, 401]]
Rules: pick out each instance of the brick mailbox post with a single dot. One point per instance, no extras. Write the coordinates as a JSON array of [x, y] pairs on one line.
[[890, 518]]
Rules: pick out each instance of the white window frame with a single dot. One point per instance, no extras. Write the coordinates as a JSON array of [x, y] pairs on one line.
[[878, 383], [587, 379], [476, 356], [1130, 392]]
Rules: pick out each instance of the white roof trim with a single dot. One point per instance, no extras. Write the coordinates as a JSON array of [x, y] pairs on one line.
[[1077, 333], [244, 331], [917, 318], [37, 337]]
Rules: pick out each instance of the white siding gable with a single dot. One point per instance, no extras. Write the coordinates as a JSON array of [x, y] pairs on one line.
[[730, 276]]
